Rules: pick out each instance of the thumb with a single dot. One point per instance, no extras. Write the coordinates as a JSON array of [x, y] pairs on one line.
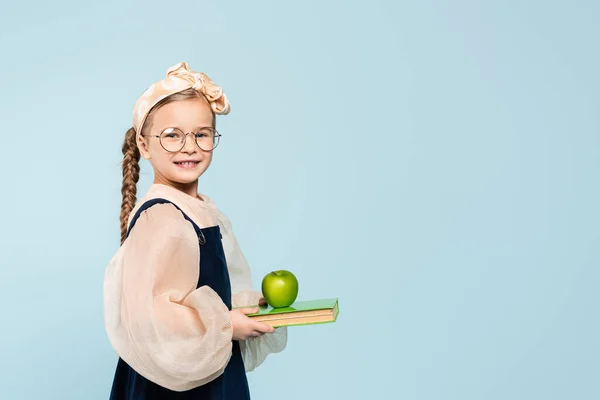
[[248, 310]]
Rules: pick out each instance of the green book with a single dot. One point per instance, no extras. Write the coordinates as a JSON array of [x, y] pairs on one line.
[[307, 312]]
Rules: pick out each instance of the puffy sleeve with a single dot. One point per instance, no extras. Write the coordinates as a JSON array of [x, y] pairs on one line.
[[157, 321], [254, 350]]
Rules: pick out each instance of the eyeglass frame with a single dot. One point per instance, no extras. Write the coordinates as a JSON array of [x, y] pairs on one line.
[[217, 135]]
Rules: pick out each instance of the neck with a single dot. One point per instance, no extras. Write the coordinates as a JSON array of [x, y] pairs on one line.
[[191, 189]]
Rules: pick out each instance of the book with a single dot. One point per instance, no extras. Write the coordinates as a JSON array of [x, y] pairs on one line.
[[307, 312]]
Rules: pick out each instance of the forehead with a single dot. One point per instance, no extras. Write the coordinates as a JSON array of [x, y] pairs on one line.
[[186, 114]]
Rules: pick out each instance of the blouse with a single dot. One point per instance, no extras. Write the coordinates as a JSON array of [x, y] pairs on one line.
[[165, 328]]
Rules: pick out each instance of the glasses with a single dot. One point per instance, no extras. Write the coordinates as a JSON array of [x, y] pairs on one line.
[[173, 139]]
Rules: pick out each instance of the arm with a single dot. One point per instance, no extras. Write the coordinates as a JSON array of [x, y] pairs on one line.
[[170, 332], [254, 350]]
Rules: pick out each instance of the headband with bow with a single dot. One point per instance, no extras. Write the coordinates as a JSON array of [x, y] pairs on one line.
[[179, 77]]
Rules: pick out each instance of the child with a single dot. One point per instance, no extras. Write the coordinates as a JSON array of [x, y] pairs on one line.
[[170, 289]]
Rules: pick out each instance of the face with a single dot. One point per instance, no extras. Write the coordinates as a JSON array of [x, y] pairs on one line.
[[183, 168]]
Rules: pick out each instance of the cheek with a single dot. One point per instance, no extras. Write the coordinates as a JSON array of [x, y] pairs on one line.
[[158, 155]]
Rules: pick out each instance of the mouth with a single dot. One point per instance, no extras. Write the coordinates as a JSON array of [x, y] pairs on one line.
[[187, 163]]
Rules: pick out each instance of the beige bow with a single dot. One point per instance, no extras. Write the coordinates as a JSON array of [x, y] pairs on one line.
[[179, 77]]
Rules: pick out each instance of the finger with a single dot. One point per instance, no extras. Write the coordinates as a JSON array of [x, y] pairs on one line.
[[248, 310], [264, 328], [258, 333]]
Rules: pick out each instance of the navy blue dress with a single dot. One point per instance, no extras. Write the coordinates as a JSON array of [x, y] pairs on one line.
[[232, 384]]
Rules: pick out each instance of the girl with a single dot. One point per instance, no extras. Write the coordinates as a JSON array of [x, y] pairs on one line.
[[171, 288]]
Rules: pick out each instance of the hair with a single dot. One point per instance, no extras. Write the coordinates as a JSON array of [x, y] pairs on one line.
[[131, 155]]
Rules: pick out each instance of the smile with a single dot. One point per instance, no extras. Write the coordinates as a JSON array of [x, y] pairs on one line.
[[187, 164]]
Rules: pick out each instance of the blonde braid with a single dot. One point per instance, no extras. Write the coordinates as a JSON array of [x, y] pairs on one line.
[[131, 175]]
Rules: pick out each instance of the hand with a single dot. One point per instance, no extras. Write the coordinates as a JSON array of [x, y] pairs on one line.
[[244, 327]]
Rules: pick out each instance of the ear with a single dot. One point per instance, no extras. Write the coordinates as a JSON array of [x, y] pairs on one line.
[[143, 148]]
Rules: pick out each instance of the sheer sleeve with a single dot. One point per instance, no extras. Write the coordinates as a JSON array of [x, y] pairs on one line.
[[254, 350], [170, 332]]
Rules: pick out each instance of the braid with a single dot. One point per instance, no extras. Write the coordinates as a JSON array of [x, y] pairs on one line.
[[131, 175]]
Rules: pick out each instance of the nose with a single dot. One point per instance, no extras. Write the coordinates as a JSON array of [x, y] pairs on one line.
[[189, 146]]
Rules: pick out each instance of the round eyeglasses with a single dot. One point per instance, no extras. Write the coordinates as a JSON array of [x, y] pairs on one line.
[[173, 139]]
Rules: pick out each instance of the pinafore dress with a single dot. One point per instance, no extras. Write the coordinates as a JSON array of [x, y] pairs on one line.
[[233, 383]]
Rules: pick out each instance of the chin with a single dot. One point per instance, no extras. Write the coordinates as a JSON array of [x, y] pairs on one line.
[[186, 177], [184, 180]]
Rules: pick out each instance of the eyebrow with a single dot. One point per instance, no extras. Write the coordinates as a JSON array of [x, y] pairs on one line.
[[198, 127]]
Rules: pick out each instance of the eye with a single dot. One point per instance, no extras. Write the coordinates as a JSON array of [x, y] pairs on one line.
[[171, 134], [205, 133]]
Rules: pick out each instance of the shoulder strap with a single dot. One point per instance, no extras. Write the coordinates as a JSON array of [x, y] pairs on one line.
[[150, 203]]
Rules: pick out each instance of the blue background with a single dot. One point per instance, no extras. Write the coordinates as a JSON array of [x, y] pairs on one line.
[[433, 164]]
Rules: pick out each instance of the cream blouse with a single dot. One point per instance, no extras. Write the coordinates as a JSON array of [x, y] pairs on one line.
[[157, 321]]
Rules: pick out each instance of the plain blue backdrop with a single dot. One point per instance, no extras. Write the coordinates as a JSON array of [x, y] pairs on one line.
[[433, 164]]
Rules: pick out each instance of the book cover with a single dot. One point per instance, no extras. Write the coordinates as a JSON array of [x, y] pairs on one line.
[[306, 312]]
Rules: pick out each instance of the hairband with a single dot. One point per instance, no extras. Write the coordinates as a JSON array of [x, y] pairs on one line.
[[179, 77]]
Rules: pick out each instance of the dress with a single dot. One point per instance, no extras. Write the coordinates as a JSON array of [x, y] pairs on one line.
[[174, 341]]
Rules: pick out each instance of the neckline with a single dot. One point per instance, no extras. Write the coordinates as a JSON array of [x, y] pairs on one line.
[[198, 199]]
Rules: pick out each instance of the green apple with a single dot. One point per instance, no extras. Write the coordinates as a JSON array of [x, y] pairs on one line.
[[280, 288]]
